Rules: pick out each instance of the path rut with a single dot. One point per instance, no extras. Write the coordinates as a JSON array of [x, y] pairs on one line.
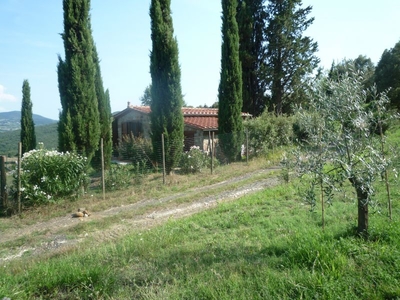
[[51, 232]]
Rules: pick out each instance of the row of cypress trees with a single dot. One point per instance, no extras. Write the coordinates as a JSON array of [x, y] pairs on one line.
[[265, 62], [86, 114], [166, 92]]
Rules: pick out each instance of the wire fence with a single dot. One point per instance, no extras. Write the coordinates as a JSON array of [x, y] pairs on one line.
[[136, 157]]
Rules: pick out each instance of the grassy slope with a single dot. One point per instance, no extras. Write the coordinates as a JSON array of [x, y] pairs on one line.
[[264, 246]]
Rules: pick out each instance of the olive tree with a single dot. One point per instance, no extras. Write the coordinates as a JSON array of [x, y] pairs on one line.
[[342, 141]]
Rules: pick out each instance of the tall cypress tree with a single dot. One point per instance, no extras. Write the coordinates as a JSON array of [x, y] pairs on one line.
[[166, 92], [230, 124], [251, 17], [290, 55], [103, 99], [28, 137], [79, 127]]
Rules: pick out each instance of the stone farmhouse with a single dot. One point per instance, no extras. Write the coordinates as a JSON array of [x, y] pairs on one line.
[[199, 124]]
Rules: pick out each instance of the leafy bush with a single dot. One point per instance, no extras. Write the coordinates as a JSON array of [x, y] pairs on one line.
[[48, 175], [137, 150], [118, 177], [194, 160], [302, 130], [269, 131]]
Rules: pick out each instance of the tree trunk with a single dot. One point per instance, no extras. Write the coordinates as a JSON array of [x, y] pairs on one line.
[[362, 205], [277, 96]]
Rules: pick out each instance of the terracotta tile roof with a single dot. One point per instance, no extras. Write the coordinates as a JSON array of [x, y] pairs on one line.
[[143, 109], [187, 111], [210, 123], [201, 118]]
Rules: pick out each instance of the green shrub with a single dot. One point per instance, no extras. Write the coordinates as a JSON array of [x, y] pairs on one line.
[[194, 160], [137, 150], [48, 175], [118, 177], [269, 131]]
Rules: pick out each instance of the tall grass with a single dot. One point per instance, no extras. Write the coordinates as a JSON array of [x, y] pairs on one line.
[[264, 246]]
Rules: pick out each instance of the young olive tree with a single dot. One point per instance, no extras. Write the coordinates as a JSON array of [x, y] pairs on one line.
[[342, 141]]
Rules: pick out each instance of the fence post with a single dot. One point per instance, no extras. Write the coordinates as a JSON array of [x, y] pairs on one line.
[[210, 149], [19, 177], [3, 183], [247, 146], [102, 168], [212, 153], [163, 156]]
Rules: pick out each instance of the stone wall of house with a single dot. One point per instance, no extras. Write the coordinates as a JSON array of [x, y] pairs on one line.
[[193, 136], [132, 117]]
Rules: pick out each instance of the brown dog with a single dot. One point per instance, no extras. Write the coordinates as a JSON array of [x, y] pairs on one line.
[[81, 213]]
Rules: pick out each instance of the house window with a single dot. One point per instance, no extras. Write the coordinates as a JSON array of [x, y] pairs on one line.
[[134, 127]]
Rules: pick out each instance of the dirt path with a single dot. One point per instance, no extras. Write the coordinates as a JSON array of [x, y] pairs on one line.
[[52, 237]]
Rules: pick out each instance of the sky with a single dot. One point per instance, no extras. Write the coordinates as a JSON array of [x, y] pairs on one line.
[[30, 43]]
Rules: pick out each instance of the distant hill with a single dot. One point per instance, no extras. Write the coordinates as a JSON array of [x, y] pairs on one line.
[[11, 120], [47, 134]]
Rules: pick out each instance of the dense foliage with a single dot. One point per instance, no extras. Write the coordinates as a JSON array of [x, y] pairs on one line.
[[79, 127], [145, 99], [361, 64], [290, 56], [230, 125], [251, 19], [166, 92], [137, 150], [28, 136], [118, 176], [47, 176], [387, 74], [268, 131], [195, 160], [105, 118]]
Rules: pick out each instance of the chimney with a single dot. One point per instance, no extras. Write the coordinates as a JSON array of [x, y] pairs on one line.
[[129, 104]]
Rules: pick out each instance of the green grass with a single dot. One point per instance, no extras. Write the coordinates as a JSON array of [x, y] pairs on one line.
[[264, 246]]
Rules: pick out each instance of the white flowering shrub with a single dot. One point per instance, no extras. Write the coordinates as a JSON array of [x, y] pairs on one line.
[[194, 160], [48, 175]]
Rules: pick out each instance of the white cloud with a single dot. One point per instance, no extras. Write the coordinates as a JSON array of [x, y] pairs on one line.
[[4, 97]]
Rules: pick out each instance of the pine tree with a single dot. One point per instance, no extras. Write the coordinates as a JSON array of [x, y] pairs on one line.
[[28, 137], [251, 17], [103, 99], [290, 55], [230, 125], [79, 127], [166, 92]]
